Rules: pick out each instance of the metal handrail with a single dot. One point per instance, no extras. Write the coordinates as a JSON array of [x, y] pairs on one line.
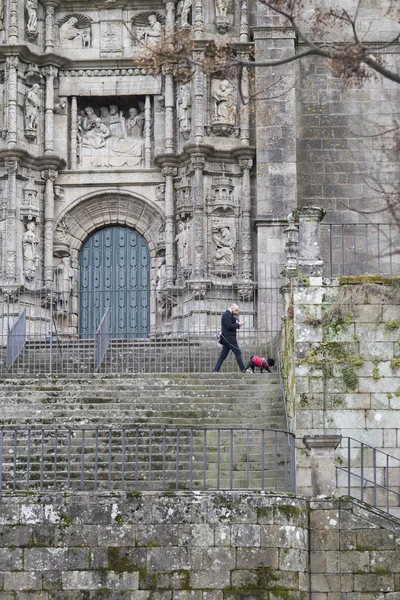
[[368, 472], [16, 340], [152, 458]]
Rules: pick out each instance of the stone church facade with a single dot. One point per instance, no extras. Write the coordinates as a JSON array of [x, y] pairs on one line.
[[115, 179]]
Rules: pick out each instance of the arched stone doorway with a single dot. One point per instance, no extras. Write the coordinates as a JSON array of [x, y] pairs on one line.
[[114, 272]]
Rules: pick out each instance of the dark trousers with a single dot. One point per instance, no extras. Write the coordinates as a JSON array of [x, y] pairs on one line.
[[226, 348]]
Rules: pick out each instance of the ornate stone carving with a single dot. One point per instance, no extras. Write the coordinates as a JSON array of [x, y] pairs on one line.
[[222, 20], [31, 23], [184, 202], [110, 139], [31, 112], [223, 234], [186, 13], [148, 28], [62, 240], [30, 199], [222, 199], [64, 283], [60, 107], [75, 31], [223, 103], [184, 245], [30, 250], [185, 110]]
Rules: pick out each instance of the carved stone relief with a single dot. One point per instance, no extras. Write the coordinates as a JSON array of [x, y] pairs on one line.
[[75, 31], [30, 200], [64, 283], [62, 240], [224, 105], [185, 110], [223, 233], [30, 251], [31, 111], [110, 139], [184, 245], [31, 22], [186, 13], [110, 36], [147, 28]]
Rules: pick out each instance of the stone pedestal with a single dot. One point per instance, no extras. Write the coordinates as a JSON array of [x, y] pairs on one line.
[[322, 448]]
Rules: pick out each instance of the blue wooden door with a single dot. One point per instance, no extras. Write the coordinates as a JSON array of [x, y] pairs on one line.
[[114, 267]]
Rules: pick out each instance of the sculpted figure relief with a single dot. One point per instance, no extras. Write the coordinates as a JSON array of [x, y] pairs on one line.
[[31, 25], [64, 276], [30, 245], [221, 7], [111, 139], [184, 244], [151, 34], [32, 106], [73, 36], [224, 104], [224, 237], [185, 110], [185, 12]]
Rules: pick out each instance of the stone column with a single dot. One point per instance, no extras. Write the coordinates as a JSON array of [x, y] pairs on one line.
[[49, 24], [170, 17], [244, 111], [12, 69], [323, 471], [74, 132], [49, 72], [198, 21], [310, 261], [244, 22], [13, 22], [11, 224], [49, 176], [147, 132], [169, 174], [169, 112], [198, 162], [291, 247], [246, 165], [198, 108]]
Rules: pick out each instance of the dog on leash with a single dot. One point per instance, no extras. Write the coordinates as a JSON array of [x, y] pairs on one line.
[[261, 363]]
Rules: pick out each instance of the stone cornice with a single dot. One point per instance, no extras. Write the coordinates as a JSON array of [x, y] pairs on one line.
[[27, 160], [26, 55]]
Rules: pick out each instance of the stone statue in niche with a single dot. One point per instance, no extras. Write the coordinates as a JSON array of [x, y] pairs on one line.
[[223, 103], [224, 237], [111, 139], [183, 243], [64, 283], [222, 7], [30, 251], [31, 24], [31, 109], [160, 284], [147, 28], [186, 13], [185, 110], [75, 31], [153, 33]]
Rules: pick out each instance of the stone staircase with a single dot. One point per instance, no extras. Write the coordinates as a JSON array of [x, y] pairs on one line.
[[144, 431]]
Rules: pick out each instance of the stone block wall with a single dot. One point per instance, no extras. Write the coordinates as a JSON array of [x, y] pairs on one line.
[[142, 546], [343, 362]]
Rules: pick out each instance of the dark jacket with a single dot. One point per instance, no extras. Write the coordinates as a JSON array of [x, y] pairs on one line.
[[229, 326]]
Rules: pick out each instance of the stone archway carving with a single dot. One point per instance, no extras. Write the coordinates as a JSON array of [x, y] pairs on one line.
[[112, 207]]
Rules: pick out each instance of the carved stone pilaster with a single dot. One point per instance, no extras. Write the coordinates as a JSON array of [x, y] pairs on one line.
[[198, 102], [169, 113], [169, 173], [13, 23], [245, 96], [12, 63], [246, 164], [147, 132], [49, 176], [50, 73], [49, 24], [198, 18], [170, 16], [291, 247], [11, 223], [74, 133], [310, 260], [30, 208], [198, 161]]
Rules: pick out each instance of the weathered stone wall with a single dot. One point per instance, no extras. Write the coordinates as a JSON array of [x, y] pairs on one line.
[[176, 546], [343, 361]]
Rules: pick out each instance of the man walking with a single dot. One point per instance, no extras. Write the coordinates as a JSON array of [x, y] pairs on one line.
[[229, 326]]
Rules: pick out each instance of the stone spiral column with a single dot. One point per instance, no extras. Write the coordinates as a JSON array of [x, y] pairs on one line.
[[11, 223], [49, 24], [49, 72], [198, 109], [170, 16], [169, 173], [74, 132], [12, 69], [198, 19], [147, 132], [49, 176], [246, 165]]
